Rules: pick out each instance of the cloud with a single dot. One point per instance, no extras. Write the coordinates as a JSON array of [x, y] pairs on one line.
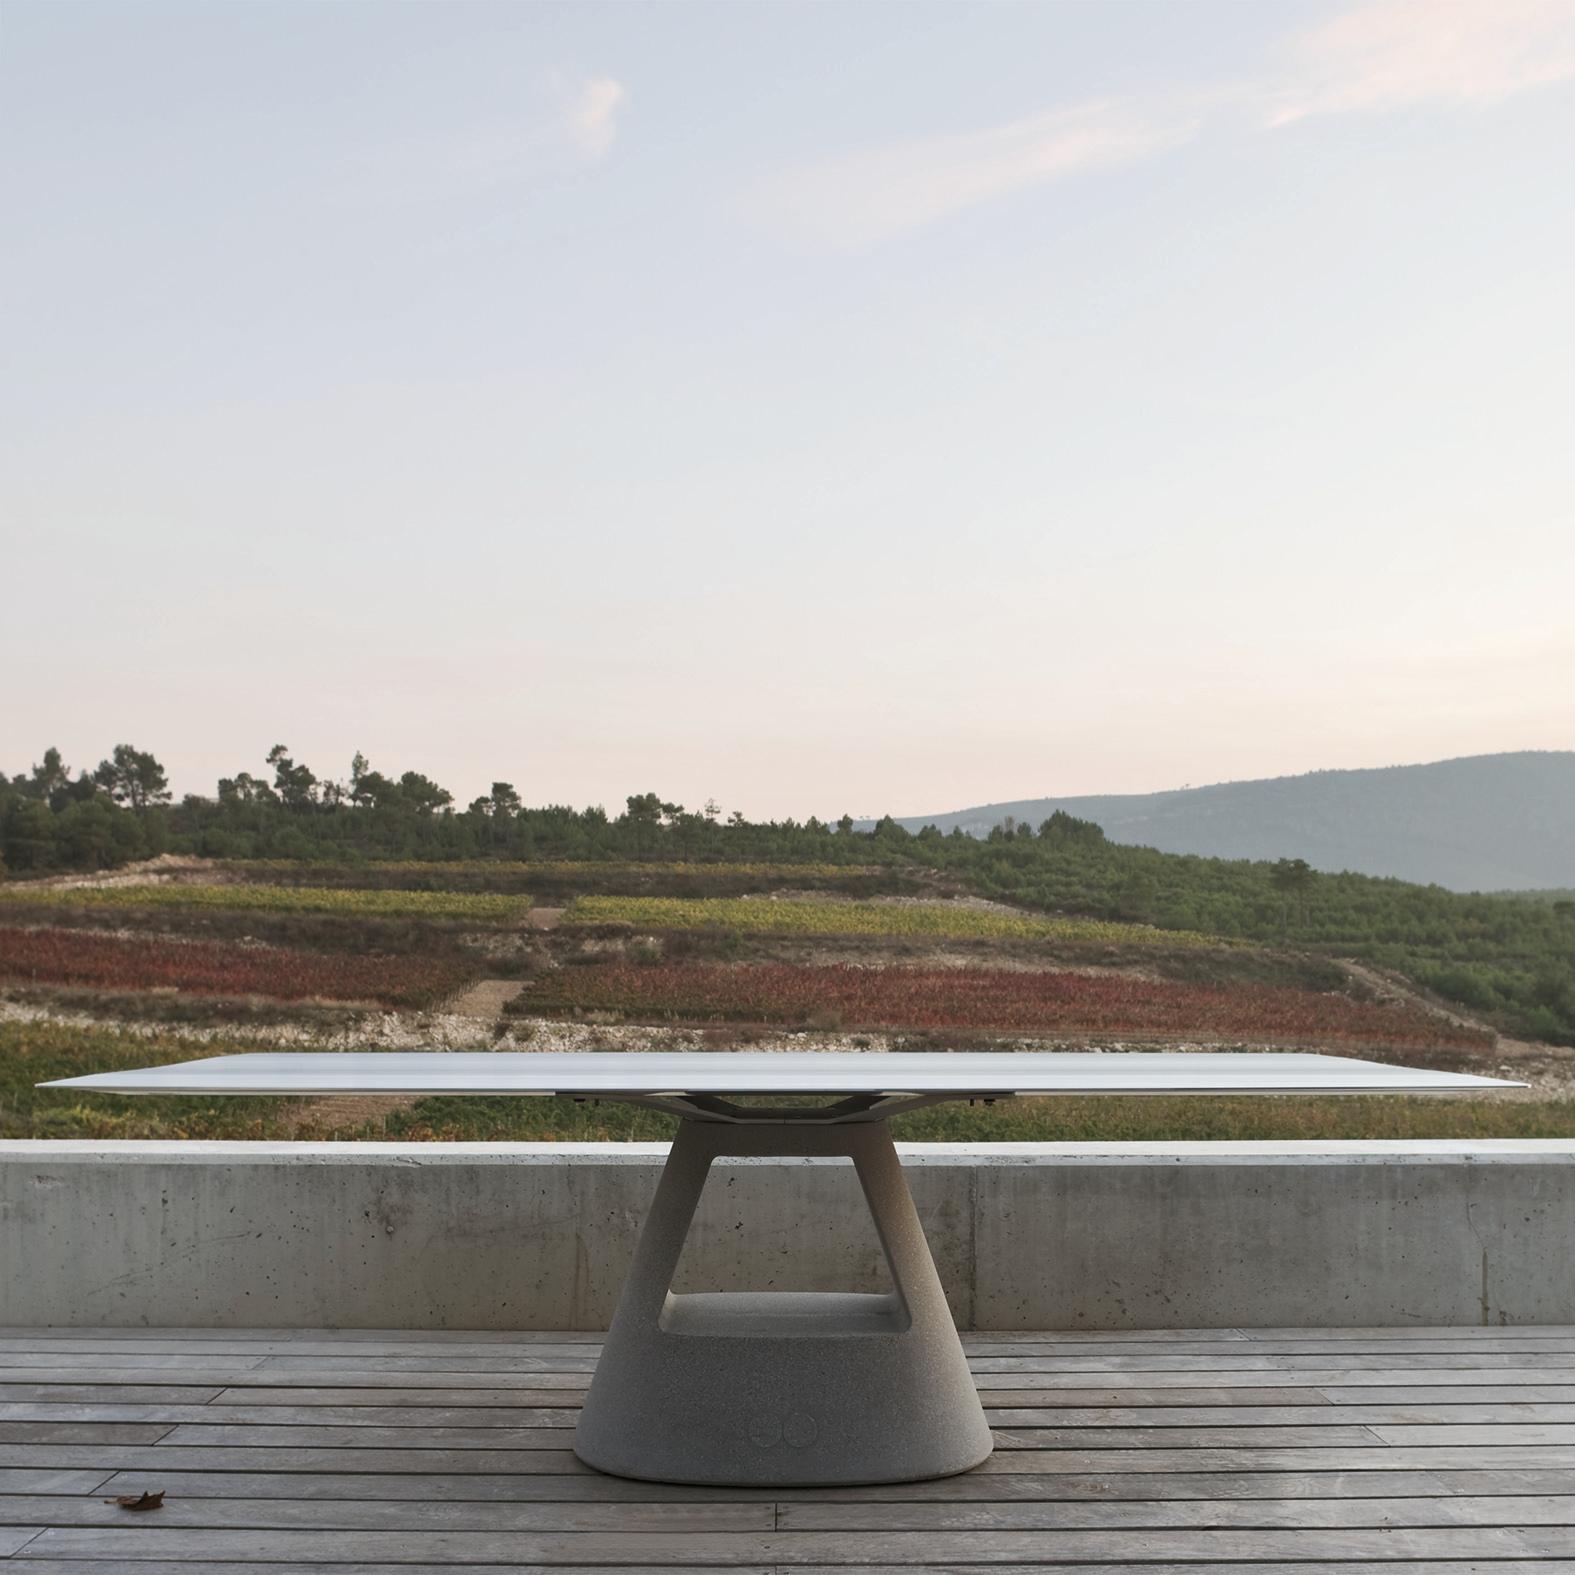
[[860, 198], [566, 119], [591, 116], [1397, 54], [1380, 56]]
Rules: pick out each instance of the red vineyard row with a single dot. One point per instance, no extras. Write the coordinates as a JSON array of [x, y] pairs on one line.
[[989, 998], [97, 961]]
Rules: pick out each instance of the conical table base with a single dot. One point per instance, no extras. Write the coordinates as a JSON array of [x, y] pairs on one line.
[[782, 1389]]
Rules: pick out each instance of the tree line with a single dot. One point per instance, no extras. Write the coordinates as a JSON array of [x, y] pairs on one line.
[[53, 821]]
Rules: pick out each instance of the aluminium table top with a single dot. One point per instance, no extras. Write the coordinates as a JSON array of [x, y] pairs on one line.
[[652, 1074]]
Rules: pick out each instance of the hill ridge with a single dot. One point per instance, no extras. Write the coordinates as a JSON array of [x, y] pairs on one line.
[[1495, 822]]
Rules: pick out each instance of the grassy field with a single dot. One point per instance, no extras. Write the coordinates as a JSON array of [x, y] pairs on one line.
[[33, 1052], [478, 907], [812, 917]]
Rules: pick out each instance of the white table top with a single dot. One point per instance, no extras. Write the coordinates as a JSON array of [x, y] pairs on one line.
[[640, 1075]]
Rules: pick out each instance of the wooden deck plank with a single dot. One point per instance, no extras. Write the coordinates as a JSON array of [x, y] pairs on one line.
[[514, 1362], [370, 1398], [1222, 1362], [572, 1356], [806, 1547], [257, 1377], [420, 1514], [371, 1367], [1234, 1514], [495, 1350], [1336, 1382], [1173, 1416], [1554, 1541], [359, 1436], [247, 1395], [131, 1457], [1493, 1566], [71, 1335], [1358, 1335], [1002, 1417], [1477, 1394], [582, 1487], [1382, 1459], [430, 1513], [1313, 1378], [1471, 1566], [1326, 1378], [1302, 1395], [52, 1360], [1032, 1438], [968, 1488], [82, 1432], [364, 1416], [1489, 1480], [15, 1479], [1470, 1433], [756, 1517], [1456, 1347], [210, 1457], [120, 1566], [1327, 1417], [1528, 1331], [364, 1435], [112, 1394]]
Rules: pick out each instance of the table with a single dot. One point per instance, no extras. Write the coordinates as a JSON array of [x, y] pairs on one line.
[[781, 1388]]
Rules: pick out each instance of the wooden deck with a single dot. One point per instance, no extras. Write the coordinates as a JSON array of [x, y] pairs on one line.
[[1257, 1452]]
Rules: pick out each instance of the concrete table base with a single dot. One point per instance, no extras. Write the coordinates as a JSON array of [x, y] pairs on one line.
[[782, 1388]]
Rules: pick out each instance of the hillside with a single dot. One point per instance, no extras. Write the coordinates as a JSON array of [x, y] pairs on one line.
[[1484, 823], [185, 956]]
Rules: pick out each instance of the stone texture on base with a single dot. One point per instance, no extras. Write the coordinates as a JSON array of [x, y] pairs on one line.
[[782, 1388]]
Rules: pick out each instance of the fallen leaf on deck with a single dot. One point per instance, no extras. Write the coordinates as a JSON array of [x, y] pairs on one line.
[[138, 1500]]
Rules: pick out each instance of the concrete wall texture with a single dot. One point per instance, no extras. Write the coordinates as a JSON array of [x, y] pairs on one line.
[[1025, 1236]]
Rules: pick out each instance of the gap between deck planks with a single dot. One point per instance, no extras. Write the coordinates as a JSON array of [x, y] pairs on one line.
[[1258, 1452]]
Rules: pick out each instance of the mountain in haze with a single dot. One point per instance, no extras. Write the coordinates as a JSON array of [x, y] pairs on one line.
[[1484, 823]]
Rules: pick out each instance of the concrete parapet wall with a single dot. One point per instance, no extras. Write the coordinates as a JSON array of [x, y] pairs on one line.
[[1026, 1236]]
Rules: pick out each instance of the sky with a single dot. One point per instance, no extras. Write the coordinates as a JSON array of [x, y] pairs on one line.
[[816, 408]]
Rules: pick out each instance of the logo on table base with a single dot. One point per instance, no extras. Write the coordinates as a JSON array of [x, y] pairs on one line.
[[798, 1430]]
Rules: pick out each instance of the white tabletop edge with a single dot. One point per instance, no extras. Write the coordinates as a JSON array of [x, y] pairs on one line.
[[616, 1074]]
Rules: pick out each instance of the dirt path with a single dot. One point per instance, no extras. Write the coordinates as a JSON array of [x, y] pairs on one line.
[[1391, 987], [166, 870], [1548, 1070], [482, 1002], [318, 1117], [485, 999]]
